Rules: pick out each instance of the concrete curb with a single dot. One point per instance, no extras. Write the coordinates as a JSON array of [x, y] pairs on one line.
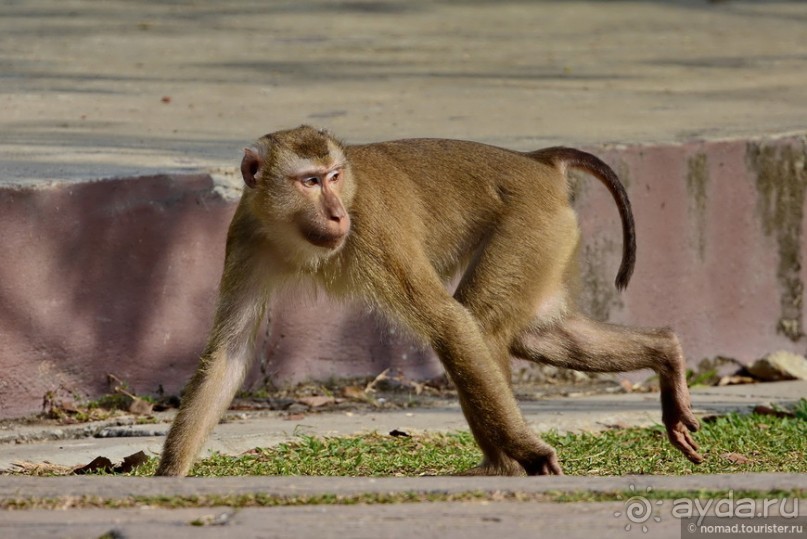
[[121, 487]]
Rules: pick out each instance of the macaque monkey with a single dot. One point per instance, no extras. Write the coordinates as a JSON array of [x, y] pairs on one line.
[[389, 223]]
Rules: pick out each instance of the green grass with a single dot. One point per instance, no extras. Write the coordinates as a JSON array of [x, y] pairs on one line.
[[262, 499], [764, 443]]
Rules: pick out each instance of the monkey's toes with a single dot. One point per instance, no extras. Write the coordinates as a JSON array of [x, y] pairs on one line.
[[544, 465], [692, 422], [681, 438], [490, 470]]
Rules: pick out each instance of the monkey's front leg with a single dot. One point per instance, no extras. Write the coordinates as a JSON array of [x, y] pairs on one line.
[[242, 300]]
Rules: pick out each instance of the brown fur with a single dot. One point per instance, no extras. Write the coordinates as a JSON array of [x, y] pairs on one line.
[[415, 213]]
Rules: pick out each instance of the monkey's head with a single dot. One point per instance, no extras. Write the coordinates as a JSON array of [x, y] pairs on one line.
[[301, 179]]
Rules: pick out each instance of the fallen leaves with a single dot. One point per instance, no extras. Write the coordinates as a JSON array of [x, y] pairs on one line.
[[318, 401], [99, 464], [103, 464]]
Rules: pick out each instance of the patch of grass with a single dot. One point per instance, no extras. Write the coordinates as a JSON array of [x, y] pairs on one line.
[[733, 443], [800, 410], [360, 456], [258, 499], [261, 499]]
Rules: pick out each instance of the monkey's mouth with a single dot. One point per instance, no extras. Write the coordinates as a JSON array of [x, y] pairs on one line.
[[326, 240]]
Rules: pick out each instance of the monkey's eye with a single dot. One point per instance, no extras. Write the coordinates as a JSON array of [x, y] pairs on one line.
[[310, 182], [334, 177]]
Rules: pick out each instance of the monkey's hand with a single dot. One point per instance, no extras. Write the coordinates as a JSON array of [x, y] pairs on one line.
[[680, 423]]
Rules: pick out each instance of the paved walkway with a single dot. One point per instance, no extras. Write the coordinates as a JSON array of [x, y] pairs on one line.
[[118, 88], [526, 519]]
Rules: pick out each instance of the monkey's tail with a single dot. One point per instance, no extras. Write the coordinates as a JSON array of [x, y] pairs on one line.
[[560, 156]]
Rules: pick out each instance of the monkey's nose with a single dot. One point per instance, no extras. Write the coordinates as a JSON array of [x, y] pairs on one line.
[[337, 214]]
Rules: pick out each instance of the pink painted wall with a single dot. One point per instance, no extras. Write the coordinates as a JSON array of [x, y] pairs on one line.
[[709, 255], [102, 277], [119, 276]]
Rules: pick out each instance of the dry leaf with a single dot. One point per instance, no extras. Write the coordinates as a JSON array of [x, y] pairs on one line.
[[103, 464], [354, 392], [97, 464], [317, 401], [131, 462], [736, 458]]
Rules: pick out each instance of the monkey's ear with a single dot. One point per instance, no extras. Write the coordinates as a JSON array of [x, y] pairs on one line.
[[250, 166]]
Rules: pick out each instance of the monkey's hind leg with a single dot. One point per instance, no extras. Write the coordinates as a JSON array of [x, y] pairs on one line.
[[586, 345]]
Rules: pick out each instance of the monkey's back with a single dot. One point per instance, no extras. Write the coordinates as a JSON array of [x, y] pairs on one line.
[[452, 192]]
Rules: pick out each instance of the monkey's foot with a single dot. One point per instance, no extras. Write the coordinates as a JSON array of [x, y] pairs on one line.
[[544, 465], [171, 468], [513, 469], [680, 426]]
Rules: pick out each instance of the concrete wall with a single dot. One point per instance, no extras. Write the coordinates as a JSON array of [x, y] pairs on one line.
[[119, 276]]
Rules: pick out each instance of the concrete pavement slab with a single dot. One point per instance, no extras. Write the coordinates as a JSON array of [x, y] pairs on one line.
[[441, 519], [120, 89], [120, 487], [526, 520]]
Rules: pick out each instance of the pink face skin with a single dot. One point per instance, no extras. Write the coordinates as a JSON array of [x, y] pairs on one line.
[[328, 225], [322, 220]]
